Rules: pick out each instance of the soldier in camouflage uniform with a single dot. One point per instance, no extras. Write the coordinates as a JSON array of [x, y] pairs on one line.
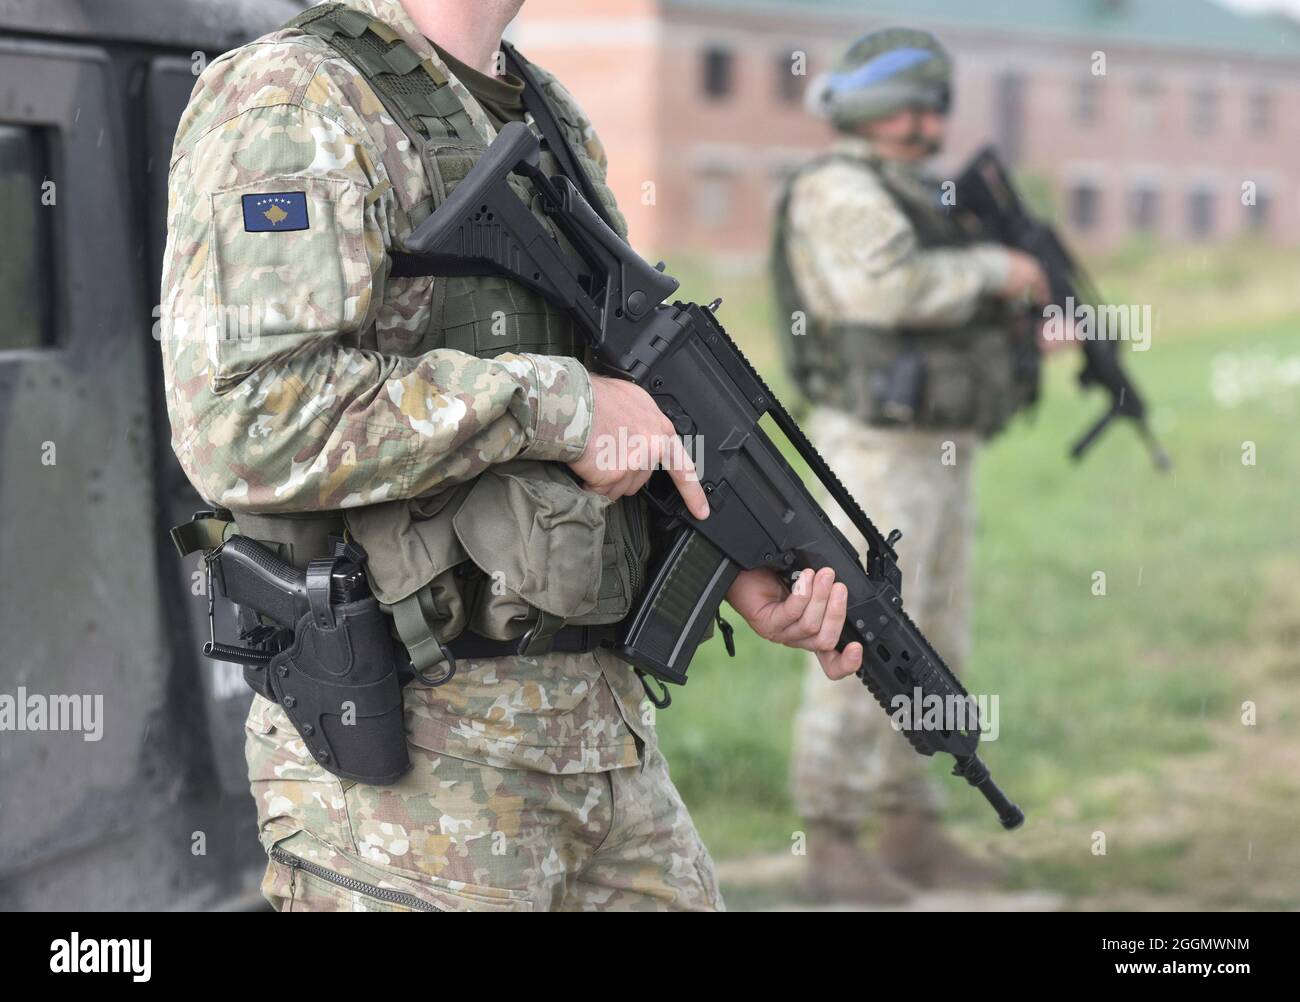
[[902, 340], [308, 385]]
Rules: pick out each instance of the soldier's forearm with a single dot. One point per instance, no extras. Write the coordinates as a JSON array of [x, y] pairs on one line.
[[347, 427], [933, 288]]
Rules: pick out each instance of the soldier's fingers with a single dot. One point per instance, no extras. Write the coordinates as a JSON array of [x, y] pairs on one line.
[[617, 485], [833, 622], [640, 453], [597, 487], [630, 482], [788, 611], [841, 664], [678, 463], [810, 623]]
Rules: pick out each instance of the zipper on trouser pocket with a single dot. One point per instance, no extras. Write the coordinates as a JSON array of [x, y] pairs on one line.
[[382, 893]]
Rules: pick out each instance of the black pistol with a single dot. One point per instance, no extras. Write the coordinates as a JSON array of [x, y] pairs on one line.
[[255, 578]]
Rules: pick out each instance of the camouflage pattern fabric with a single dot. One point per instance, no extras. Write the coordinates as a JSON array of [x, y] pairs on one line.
[[855, 255], [848, 759], [300, 377], [455, 835]]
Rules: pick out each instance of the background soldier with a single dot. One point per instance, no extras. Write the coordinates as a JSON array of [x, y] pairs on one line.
[[911, 359], [311, 390]]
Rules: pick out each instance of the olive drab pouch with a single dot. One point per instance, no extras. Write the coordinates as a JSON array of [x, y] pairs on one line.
[[971, 384], [951, 395], [522, 547], [546, 545]]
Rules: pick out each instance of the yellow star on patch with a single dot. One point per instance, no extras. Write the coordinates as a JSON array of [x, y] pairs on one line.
[[276, 215]]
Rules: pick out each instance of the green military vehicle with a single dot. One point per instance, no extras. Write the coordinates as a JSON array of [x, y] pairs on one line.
[[122, 778]]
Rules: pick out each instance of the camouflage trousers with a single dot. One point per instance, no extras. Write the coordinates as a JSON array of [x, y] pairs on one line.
[[848, 759], [457, 835]]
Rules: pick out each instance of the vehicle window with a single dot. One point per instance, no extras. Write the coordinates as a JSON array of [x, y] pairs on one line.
[[26, 277]]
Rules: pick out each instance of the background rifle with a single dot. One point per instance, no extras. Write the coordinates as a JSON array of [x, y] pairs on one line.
[[985, 191], [762, 514]]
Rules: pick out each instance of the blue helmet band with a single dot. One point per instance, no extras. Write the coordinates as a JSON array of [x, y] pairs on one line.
[[884, 66]]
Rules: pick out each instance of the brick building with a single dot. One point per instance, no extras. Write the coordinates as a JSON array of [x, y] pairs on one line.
[[1140, 116]]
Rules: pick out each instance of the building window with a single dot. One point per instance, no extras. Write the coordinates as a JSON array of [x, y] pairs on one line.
[[1259, 113], [791, 75], [1205, 111], [718, 69], [1200, 212], [713, 197], [1085, 206], [1144, 209], [26, 285], [1146, 106], [1087, 100], [1259, 217]]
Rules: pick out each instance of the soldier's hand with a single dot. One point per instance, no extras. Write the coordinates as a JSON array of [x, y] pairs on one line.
[[630, 439], [1060, 340], [1025, 279], [809, 616]]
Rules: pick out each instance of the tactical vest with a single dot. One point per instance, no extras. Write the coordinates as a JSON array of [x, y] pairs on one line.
[[521, 551], [973, 377]]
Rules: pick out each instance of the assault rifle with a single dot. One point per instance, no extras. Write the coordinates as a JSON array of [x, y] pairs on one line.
[[985, 191], [762, 514]]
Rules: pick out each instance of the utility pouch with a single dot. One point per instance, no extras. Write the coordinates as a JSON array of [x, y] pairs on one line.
[[519, 554], [898, 390]]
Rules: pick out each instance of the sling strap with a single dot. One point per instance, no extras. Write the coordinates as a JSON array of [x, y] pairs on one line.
[[557, 141]]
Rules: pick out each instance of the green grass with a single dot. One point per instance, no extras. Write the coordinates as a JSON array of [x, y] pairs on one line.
[[1090, 687]]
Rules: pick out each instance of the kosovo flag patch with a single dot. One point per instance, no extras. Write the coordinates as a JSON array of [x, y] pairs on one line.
[[282, 212]]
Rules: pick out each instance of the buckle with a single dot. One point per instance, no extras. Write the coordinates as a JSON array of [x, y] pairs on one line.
[[525, 643], [540, 638], [445, 677]]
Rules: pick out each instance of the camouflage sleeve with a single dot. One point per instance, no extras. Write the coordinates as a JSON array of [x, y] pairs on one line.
[[280, 399], [855, 254]]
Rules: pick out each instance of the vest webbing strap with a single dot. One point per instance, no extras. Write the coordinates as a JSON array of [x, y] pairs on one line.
[[414, 617], [207, 531], [419, 95], [414, 89]]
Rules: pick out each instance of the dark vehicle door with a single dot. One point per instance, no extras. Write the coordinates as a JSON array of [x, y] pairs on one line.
[[122, 780]]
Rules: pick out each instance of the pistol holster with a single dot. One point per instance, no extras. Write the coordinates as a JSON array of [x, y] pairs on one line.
[[338, 683]]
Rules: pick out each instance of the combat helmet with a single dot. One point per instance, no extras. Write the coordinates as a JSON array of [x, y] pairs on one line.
[[884, 72]]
